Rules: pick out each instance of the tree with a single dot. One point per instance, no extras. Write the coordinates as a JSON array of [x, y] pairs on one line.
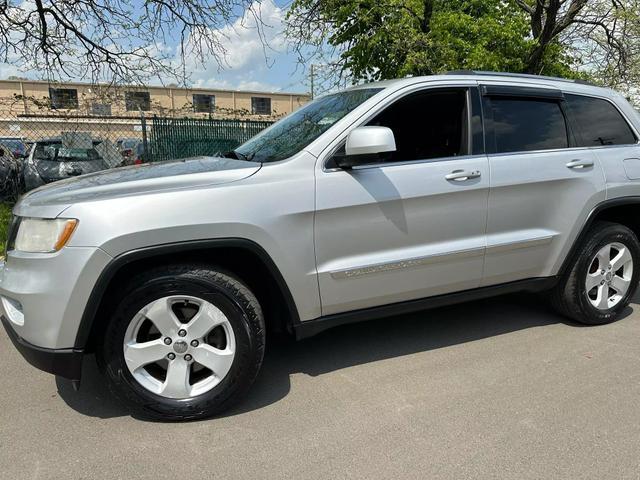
[[602, 35], [596, 39], [378, 39], [117, 40]]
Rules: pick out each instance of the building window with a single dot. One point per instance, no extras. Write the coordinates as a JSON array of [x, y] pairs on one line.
[[135, 101], [261, 105], [102, 109], [63, 98], [204, 103]]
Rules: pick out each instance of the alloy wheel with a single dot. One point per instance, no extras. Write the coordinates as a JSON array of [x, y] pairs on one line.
[[609, 276], [179, 346]]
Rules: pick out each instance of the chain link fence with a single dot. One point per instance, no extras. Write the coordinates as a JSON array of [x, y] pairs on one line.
[[38, 149]]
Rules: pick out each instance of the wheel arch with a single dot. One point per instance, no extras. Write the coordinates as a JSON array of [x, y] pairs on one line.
[[623, 210], [242, 257]]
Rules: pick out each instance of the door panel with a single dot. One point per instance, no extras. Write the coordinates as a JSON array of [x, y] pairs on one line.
[[537, 204], [398, 232], [541, 193]]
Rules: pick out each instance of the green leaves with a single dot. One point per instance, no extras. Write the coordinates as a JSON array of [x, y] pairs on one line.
[[394, 38]]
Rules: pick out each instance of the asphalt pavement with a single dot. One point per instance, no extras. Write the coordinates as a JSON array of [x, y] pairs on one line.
[[501, 388]]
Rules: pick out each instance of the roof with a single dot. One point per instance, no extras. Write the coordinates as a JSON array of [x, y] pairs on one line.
[[511, 78], [481, 73]]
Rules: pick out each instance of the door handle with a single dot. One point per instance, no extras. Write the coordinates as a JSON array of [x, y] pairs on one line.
[[578, 164], [462, 175]]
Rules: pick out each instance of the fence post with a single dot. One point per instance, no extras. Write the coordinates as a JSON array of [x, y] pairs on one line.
[[145, 144]]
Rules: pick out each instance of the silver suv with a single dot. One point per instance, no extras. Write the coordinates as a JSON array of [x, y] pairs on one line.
[[381, 199]]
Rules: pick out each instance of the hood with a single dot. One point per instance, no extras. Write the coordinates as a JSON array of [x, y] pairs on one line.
[[136, 180]]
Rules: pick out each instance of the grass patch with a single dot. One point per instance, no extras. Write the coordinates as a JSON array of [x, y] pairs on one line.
[[5, 219]]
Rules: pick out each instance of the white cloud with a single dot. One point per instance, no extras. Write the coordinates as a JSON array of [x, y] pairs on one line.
[[223, 81], [255, 48], [242, 41]]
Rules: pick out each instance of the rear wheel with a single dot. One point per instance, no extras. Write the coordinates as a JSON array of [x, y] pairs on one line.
[[185, 342], [604, 277]]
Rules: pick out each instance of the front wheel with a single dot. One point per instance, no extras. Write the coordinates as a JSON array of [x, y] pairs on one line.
[[185, 342], [603, 278]]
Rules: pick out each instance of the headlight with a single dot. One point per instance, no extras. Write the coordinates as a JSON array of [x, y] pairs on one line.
[[38, 235]]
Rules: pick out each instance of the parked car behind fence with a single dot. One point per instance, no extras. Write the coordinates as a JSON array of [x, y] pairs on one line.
[[69, 156], [10, 184], [129, 149]]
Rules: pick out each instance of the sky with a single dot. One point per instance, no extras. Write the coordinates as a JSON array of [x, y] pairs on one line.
[[249, 64]]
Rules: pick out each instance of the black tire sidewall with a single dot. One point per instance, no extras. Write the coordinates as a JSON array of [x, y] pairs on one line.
[[235, 383], [610, 234]]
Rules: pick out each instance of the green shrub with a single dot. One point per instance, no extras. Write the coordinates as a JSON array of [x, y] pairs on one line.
[[5, 218]]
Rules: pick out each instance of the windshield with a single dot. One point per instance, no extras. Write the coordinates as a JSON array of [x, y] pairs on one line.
[[294, 132]]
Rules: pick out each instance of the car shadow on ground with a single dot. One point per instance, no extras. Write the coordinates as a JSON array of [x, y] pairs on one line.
[[351, 345]]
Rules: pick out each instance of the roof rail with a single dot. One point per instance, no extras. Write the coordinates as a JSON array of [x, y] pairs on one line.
[[518, 75]]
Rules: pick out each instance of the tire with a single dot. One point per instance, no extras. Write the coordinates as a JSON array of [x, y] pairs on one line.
[[170, 295], [571, 297]]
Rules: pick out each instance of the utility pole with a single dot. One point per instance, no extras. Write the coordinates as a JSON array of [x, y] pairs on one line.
[[313, 71]]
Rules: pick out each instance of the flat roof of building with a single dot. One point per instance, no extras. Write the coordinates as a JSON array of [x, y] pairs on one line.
[[145, 87]]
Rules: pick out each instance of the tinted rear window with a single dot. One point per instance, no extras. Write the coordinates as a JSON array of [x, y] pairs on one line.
[[600, 122], [57, 152], [525, 125]]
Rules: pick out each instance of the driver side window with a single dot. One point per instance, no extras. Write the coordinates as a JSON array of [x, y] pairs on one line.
[[429, 124]]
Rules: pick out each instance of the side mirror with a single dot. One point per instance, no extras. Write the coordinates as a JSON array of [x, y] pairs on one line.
[[366, 145]]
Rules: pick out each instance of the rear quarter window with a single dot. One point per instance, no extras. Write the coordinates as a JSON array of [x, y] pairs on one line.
[[600, 122]]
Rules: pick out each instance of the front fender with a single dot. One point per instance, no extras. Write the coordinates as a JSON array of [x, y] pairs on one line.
[[111, 270]]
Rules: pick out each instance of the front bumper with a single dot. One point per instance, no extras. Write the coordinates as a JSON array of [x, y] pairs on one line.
[[44, 295], [42, 301], [66, 363]]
